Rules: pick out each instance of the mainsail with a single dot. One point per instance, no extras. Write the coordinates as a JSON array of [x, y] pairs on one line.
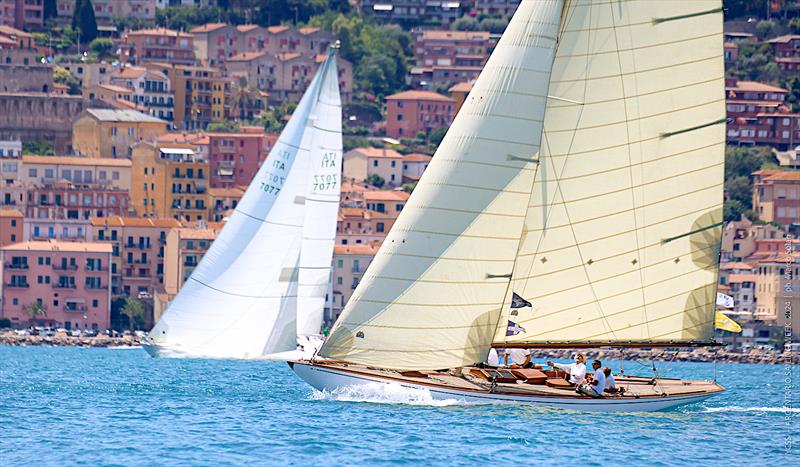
[[241, 300], [322, 206], [609, 232], [433, 294], [623, 227]]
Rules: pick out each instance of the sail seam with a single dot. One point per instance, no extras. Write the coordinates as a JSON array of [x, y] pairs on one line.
[[448, 234], [645, 47], [268, 222], [646, 70], [234, 293], [645, 94]]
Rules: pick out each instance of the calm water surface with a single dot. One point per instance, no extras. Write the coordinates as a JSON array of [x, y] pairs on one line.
[[104, 406]]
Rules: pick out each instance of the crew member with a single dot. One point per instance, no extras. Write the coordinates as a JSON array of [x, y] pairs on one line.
[[577, 370]]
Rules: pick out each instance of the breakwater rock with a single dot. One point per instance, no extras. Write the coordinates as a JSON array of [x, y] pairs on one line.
[[664, 355], [67, 341]]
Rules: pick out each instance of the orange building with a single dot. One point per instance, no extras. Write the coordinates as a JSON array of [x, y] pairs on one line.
[[11, 224], [411, 112]]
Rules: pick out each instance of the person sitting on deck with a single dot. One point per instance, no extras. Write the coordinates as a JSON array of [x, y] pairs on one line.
[[611, 384], [577, 370], [519, 358], [597, 385]]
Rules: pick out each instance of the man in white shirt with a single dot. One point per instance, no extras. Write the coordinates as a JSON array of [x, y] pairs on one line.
[[596, 387], [518, 357], [611, 384], [577, 370]]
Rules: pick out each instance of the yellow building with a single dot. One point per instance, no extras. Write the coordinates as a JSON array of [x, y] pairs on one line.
[[113, 132], [184, 249], [169, 182], [202, 94]]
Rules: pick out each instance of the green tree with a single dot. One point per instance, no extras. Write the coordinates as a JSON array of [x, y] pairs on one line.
[[437, 136], [223, 127], [493, 25], [793, 98], [87, 23], [376, 180], [63, 76], [745, 8], [76, 14], [38, 148], [35, 310], [101, 46], [465, 23], [134, 310], [765, 29], [794, 26]]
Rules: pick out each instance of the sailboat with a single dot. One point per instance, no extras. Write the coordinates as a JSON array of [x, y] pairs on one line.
[[260, 288], [575, 202]]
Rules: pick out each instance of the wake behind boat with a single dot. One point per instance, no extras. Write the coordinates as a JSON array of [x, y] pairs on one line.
[[575, 202]]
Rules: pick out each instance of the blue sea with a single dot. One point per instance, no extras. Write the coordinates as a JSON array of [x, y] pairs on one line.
[[74, 406]]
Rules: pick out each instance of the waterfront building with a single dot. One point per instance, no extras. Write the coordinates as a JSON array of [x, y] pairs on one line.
[[158, 45], [776, 196], [184, 249], [349, 264], [777, 284], [138, 251], [169, 182], [71, 280], [411, 112], [11, 226], [361, 163], [113, 132]]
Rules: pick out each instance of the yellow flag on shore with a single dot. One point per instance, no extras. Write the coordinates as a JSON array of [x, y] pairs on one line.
[[723, 322]]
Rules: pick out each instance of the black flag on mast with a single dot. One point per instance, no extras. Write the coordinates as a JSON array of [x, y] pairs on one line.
[[519, 302]]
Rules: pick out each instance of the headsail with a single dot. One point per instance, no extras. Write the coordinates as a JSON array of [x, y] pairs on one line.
[[622, 232], [322, 205], [433, 294], [240, 302]]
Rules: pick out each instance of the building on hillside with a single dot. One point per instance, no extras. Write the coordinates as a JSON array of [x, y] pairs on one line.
[[386, 202], [222, 202], [414, 166], [199, 142], [349, 264], [778, 285], [11, 226], [113, 133], [758, 114], [22, 14], [150, 89], [158, 45], [361, 163], [786, 52], [438, 76], [137, 251], [184, 249], [111, 94], [411, 112], [84, 171], [731, 51], [90, 74], [169, 182], [453, 48], [459, 92], [776, 196], [236, 157], [415, 11], [69, 279], [11, 37], [356, 226], [105, 11], [496, 7]]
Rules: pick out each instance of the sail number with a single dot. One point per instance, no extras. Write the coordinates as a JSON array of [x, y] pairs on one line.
[[325, 182]]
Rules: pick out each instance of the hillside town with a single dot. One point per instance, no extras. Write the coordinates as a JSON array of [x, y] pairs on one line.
[[130, 130]]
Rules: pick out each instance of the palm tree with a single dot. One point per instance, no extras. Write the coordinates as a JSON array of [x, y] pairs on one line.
[[133, 310], [34, 310]]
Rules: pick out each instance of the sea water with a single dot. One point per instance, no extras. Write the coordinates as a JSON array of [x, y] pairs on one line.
[[66, 406]]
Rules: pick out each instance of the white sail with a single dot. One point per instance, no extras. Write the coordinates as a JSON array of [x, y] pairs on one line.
[[240, 301], [433, 294], [322, 206], [622, 232]]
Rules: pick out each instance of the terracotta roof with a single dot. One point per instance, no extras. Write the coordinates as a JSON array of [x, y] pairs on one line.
[[208, 27], [726, 266], [119, 115], [730, 45], [246, 27], [245, 56], [226, 192], [741, 278], [117, 221], [378, 152], [455, 35], [348, 187], [158, 32], [115, 88], [461, 87], [55, 245], [277, 29], [70, 160], [767, 172], [416, 157], [10, 213], [130, 72], [358, 249], [754, 87], [8, 30], [6, 40], [286, 56], [354, 212], [306, 31], [419, 95], [184, 138], [122, 103], [787, 176], [784, 39], [194, 233], [386, 195]]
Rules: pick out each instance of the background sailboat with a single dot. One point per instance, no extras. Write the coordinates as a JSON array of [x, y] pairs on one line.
[[241, 300], [583, 173]]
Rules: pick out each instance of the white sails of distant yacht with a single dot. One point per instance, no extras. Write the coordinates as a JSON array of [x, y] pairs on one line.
[[584, 174], [263, 280]]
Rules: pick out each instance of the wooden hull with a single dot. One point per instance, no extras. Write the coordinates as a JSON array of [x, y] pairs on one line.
[[332, 377]]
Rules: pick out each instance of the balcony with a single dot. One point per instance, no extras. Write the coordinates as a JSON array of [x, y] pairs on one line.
[[75, 308], [18, 285], [95, 287], [96, 269], [64, 285], [140, 246], [17, 265], [65, 267]]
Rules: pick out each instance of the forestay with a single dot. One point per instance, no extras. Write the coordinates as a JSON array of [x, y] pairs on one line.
[[433, 294], [623, 226], [241, 300]]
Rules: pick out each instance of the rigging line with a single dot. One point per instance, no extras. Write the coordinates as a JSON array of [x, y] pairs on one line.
[[687, 16], [639, 263]]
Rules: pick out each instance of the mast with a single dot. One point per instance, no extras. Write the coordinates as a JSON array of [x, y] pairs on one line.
[[433, 294], [621, 238]]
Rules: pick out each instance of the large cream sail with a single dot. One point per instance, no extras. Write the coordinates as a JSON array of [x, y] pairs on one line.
[[433, 294], [622, 231]]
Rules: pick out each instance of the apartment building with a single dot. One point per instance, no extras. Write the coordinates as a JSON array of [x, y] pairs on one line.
[[786, 52], [776, 196], [169, 182], [71, 280], [201, 94], [22, 14], [11, 226], [113, 132], [184, 249], [236, 157], [361, 163], [349, 264], [411, 112], [758, 114], [150, 89], [158, 45]]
